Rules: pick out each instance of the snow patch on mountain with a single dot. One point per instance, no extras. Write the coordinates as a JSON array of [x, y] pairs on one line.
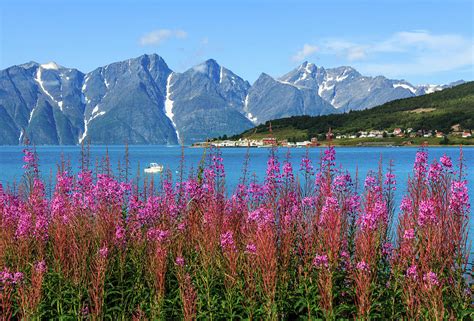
[[324, 87], [342, 77], [41, 83], [95, 113], [32, 112], [247, 114], [307, 73], [405, 86], [432, 88], [95, 110], [21, 136], [51, 65], [169, 104]]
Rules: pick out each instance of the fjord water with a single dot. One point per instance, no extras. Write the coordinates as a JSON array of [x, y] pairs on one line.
[[352, 159]]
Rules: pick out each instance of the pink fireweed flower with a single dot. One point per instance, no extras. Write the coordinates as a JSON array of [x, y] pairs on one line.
[[192, 189], [30, 159], [288, 171], [331, 204], [119, 235], [435, 171], [363, 266], [406, 205], [256, 191], [83, 197], [306, 166], [412, 272], [431, 279], [426, 213], [420, 164], [104, 252], [181, 226], [6, 277], [342, 182], [261, 216], [179, 261], [329, 157], [40, 266], [85, 311], [17, 277], [370, 182], [63, 182], [409, 234], [446, 161], [345, 255], [227, 241], [390, 181], [374, 215], [320, 261], [156, 234], [354, 203], [218, 165], [273, 172], [307, 201], [251, 248], [150, 212], [459, 200], [24, 224]]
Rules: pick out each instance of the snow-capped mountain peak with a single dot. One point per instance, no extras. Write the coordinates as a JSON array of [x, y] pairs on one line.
[[51, 65]]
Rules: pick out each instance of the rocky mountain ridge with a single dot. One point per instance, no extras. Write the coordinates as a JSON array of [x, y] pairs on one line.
[[142, 101]]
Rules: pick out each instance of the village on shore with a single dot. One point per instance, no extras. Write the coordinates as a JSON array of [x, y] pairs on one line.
[[372, 135]]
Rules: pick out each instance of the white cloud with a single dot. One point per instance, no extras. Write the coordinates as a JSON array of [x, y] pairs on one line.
[[425, 64], [305, 52], [405, 53], [202, 68], [157, 37]]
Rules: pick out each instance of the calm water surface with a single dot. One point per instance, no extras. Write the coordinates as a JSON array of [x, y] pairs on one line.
[[362, 159]]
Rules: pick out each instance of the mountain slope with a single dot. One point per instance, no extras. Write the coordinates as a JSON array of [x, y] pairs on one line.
[[207, 100], [269, 99], [128, 97], [436, 111]]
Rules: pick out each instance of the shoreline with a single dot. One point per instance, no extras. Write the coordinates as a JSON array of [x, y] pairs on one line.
[[191, 146]]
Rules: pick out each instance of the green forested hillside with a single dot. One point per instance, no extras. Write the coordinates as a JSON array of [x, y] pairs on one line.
[[436, 111]]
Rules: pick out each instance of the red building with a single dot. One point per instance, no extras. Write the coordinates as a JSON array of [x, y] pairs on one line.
[[270, 141]]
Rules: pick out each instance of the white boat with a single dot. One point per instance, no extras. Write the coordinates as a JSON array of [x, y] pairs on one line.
[[154, 168]]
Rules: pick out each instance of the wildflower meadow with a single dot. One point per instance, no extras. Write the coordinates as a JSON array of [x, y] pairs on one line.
[[307, 243]]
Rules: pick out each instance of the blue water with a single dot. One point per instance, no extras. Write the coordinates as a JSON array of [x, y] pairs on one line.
[[362, 159]]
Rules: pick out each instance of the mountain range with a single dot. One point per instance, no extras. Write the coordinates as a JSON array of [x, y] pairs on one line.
[[142, 101]]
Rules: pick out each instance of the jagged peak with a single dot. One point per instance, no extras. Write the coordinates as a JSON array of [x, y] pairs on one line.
[[307, 66], [207, 66], [28, 65], [264, 77]]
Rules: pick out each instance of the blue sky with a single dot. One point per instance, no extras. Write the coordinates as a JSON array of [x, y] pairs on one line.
[[420, 41]]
